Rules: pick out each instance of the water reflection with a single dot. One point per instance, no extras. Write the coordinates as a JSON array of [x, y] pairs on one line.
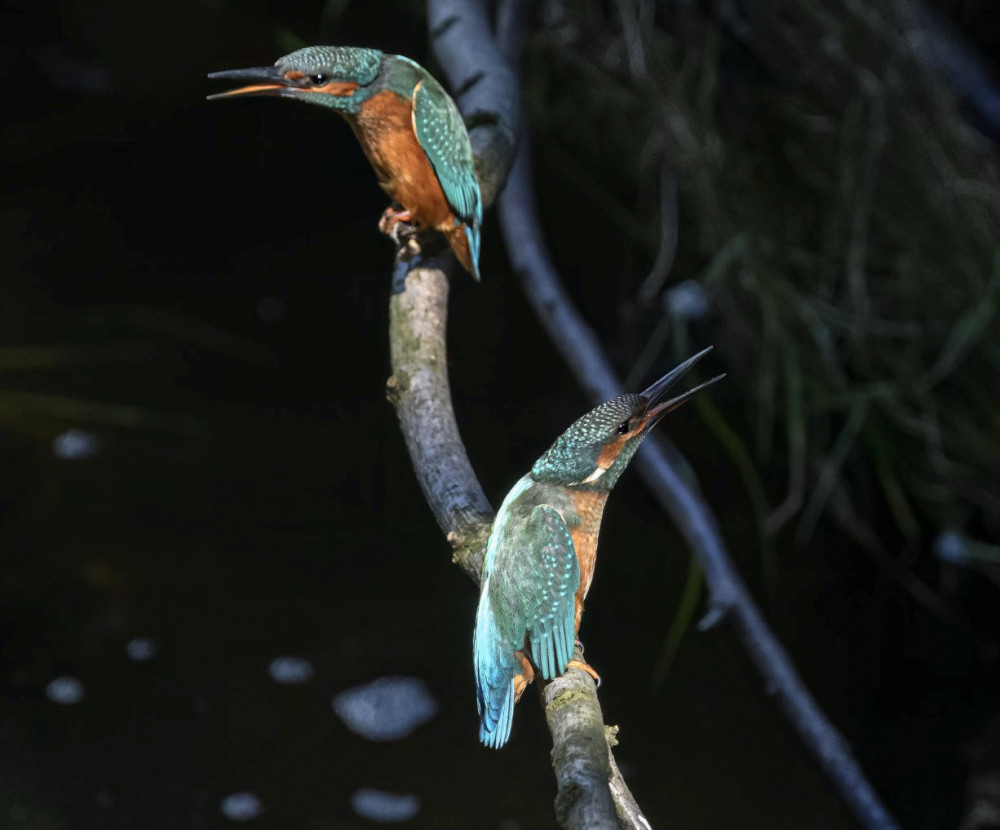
[[75, 445], [290, 670], [65, 691], [242, 806], [140, 649], [385, 807], [386, 709]]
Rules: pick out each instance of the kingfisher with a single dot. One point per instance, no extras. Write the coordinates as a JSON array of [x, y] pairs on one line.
[[542, 550], [409, 128]]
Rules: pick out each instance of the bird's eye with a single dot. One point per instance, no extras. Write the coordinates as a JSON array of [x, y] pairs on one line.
[[623, 427], [318, 79]]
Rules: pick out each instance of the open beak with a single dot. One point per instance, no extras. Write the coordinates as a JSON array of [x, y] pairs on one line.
[[264, 80], [659, 389]]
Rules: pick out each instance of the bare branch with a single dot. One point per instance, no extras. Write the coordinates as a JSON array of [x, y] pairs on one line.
[[579, 752], [419, 390], [728, 596], [664, 262], [628, 809]]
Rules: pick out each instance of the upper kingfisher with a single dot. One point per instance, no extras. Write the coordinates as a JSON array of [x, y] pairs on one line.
[[543, 546], [409, 128]]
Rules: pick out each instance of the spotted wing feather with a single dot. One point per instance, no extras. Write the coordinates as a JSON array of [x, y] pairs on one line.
[[527, 603], [550, 598], [441, 133]]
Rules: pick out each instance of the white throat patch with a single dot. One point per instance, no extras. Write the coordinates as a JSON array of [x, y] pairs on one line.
[[598, 472]]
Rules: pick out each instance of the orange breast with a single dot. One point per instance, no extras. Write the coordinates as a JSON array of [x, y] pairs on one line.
[[589, 506], [385, 130]]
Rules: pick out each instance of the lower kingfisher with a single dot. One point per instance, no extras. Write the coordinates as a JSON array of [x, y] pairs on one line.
[[409, 128], [543, 547]]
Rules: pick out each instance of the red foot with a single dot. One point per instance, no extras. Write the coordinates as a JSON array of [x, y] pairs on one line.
[[390, 220], [582, 666], [523, 678]]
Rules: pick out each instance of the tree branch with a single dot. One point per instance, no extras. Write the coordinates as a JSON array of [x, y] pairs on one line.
[[483, 83], [581, 755], [591, 792], [729, 596], [419, 390]]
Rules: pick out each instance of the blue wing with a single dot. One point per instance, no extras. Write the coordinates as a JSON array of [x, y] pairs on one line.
[[527, 599], [441, 133], [552, 599]]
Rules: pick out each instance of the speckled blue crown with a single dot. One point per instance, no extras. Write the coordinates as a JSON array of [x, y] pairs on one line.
[[338, 62], [574, 454]]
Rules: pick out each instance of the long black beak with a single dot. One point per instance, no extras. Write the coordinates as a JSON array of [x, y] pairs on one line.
[[655, 392], [264, 80]]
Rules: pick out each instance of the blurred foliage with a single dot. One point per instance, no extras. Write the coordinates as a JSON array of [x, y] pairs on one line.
[[34, 378], [841, 215]]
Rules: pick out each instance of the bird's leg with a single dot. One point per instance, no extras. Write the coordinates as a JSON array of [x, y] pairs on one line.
[[524, 678], [396, 225], [583, 665], [391, 218]]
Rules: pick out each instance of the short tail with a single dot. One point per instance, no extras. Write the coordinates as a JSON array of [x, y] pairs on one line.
[[464, 241], [494, 673], [494, 730], [472, 235]]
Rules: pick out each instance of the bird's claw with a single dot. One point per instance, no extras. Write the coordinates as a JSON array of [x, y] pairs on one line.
[[390, 223], [583, 666]]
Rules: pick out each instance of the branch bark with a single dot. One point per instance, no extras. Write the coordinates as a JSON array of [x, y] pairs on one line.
[[580, 753], [419, 390], [591, 792]]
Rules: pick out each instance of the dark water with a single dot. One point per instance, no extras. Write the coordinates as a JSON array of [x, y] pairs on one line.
[[223, 262]]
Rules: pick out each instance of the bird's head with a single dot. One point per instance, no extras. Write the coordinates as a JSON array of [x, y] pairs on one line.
[[597, 448], [332, 76]]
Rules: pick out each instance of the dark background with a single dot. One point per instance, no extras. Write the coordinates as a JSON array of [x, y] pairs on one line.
[[216, 272]]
